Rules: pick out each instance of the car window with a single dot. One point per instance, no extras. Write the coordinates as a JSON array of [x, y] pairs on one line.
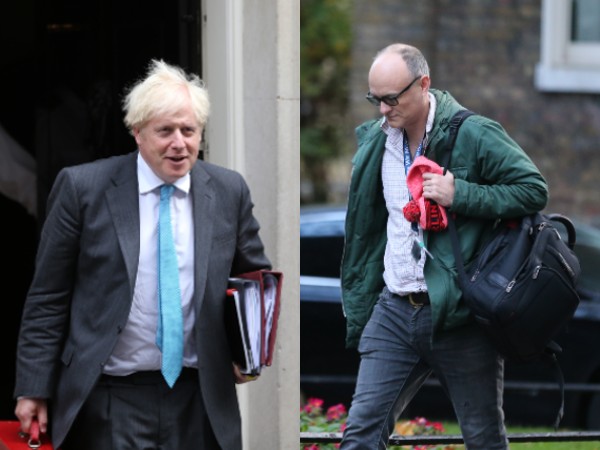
[[587, 249], [321, 246], [330, 228]]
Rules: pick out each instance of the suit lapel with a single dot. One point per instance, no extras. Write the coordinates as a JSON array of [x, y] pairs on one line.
[[203, 207], [123, 203]]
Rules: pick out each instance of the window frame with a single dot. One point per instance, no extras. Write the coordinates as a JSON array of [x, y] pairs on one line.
[[565, 66]]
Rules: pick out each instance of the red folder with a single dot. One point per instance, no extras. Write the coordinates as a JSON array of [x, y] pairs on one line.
[[269, 289], [11, 437]]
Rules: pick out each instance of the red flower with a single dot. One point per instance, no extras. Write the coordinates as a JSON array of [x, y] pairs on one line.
[[336, 412], [313, 405], [421, 421], [438, 427], [315, 402]]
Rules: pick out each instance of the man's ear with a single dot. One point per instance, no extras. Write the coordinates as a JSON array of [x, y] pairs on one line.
[[136, 134], [425, 83]]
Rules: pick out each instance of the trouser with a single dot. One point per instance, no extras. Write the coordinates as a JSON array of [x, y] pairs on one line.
[[397, 356], [141, 412]]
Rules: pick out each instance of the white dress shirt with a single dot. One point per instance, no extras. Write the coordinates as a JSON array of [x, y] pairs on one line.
[[136, 349], [402, 275]]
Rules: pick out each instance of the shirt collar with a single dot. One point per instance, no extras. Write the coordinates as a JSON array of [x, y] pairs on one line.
[[149, 181]]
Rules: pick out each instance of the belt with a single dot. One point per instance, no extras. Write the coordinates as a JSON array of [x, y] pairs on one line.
[[147, 377], [418, 298]]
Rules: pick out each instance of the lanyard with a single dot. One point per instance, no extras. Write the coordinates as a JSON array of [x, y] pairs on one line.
[[408, 160]]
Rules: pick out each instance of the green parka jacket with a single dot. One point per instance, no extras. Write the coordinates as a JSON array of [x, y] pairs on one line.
[[494, 179]]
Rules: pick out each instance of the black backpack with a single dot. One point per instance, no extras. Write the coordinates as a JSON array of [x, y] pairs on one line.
[[521, 288]]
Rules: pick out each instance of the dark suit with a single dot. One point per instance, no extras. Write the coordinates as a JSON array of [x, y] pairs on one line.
[[83, 285]]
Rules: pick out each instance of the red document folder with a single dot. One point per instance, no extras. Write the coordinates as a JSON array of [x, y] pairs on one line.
[[11, 438], [252, 328]]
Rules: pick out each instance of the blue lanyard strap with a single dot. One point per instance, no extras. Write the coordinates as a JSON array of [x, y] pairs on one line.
[[408, 160]]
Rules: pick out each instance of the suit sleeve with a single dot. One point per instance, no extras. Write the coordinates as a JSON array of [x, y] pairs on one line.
[[46, 310], [250, 252]]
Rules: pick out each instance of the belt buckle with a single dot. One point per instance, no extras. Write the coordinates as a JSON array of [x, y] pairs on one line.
[[412, 301]]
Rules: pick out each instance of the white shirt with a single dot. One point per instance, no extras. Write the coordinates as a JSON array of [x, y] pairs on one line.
[[136, 348], [402, 274]]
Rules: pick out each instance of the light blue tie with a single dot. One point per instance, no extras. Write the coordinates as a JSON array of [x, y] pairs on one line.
[[169, 335]]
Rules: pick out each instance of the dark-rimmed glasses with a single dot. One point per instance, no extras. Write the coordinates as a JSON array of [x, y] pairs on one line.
[[392, 99]]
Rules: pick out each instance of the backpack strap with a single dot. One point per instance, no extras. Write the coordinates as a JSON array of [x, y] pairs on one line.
[[571, 233], [455, 124], [549, 355]]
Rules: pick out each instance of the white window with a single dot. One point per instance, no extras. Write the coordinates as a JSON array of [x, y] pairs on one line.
[[570, 46]]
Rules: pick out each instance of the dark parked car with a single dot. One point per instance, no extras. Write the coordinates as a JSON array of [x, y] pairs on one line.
[[532, 397]]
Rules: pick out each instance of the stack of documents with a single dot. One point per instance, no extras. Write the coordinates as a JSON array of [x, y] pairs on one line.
[[251, 315]]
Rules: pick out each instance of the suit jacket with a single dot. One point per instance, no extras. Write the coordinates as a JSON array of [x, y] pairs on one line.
[[86, 266]]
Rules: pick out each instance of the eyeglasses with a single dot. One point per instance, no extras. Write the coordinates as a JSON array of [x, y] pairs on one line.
[[390, 100]]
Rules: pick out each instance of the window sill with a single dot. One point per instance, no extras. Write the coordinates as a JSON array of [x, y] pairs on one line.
[[567, 79]]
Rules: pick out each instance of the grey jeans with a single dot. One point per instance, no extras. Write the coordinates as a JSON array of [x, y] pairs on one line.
[[397, 357]]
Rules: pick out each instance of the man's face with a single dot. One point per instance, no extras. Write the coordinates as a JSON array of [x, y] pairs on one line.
[[170, 143], [389, 77]]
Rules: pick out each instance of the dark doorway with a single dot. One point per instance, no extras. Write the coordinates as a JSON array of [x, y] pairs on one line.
[[65, 66]]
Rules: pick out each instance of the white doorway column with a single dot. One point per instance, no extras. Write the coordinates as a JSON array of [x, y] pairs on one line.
[[250, 60]]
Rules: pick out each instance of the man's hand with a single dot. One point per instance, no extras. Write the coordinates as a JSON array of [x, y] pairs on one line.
[[28, 409], [439, 188], [241, 378]]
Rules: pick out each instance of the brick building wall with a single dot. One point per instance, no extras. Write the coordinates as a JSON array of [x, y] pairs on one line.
[[485, 52]]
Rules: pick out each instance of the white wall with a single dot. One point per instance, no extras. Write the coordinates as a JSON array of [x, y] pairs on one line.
[[252, 70]]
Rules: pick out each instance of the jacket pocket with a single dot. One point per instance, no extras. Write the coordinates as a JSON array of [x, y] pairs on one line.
[[67, 354]]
